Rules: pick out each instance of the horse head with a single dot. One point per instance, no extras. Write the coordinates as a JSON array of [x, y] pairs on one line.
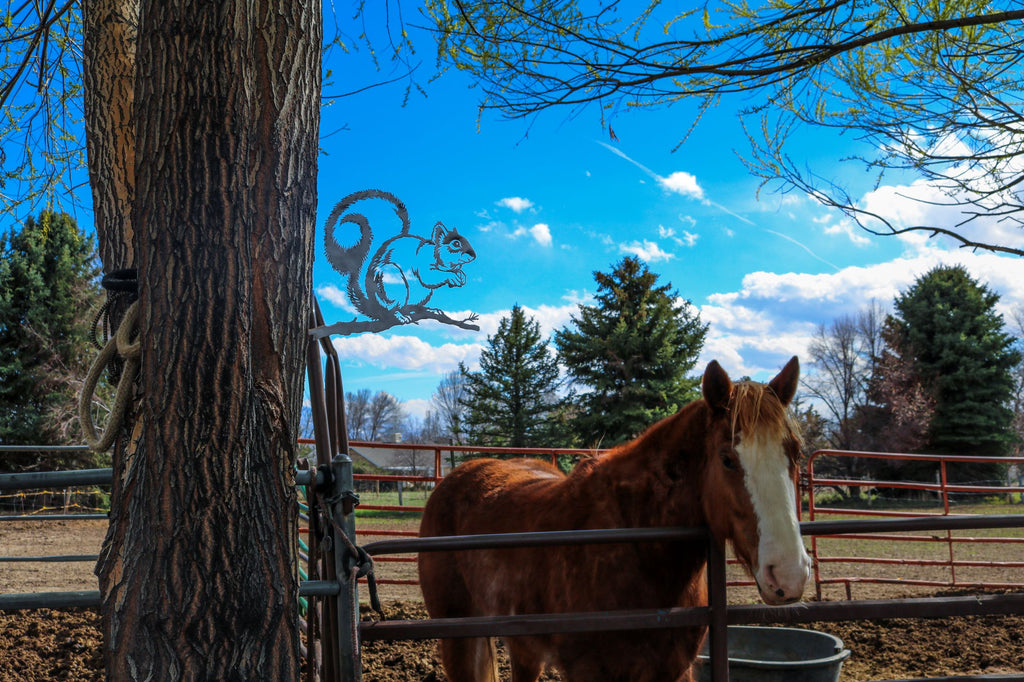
[[750, 478]]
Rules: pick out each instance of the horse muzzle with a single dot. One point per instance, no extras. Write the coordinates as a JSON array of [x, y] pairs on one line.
[[783, 583]]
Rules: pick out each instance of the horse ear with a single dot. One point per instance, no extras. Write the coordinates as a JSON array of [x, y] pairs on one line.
[[716, 386], [784, 385]]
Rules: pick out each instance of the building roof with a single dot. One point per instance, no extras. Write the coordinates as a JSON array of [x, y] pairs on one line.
[[384, 457]]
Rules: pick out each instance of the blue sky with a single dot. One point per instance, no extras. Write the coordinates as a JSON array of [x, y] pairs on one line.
[[548, 201]]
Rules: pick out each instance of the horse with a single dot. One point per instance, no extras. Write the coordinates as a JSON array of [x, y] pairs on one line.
[[727, 461]]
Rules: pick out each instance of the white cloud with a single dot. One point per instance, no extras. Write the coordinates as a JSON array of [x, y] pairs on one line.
[[773, 316], [735, 317], [926, 203], [679, 182], [516, 204], [686, 239], [541, 234], [682, 183], [844, 228], [549, 317], [606, 240], [754, 355], [576, 298], [406, 352], [336, 297], [645, 250], [417, 407]]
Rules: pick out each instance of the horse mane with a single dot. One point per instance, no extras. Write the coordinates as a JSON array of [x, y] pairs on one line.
[[754, 408]]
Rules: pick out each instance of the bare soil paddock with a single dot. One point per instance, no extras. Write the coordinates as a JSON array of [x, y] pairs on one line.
[[65, 645]]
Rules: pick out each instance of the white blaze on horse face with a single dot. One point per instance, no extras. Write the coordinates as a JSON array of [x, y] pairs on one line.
[[782, 562]]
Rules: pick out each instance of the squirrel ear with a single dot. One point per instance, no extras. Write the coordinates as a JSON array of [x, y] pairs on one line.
[[438, 233]]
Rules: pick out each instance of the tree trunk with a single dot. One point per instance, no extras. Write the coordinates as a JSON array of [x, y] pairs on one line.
[[110, 30], [199, 571], [109, 39]]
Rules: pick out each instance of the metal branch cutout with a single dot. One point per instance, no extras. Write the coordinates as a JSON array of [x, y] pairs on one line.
[[391, 280]]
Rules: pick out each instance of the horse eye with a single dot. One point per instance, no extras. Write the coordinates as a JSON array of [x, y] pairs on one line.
[[728, 463]]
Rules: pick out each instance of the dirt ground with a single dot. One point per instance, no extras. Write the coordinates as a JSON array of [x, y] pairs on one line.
[[65, 645]]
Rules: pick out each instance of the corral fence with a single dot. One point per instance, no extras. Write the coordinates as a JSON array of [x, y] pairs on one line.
[[441, 458], [952, 560], [17, 490], [929, 499], [717, 615]]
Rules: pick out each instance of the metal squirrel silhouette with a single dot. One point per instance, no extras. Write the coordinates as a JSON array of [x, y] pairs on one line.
[[392, 283]]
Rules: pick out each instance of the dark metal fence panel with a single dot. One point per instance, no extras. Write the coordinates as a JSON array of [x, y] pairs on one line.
[[930, 607], [43, 479], [745, 614], [82, 477]]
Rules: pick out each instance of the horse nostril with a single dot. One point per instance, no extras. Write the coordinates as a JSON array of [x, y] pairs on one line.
[[773, 583]]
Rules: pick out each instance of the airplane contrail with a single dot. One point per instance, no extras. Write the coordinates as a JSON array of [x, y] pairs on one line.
[[804, 247], [663, 181], [621, 154]]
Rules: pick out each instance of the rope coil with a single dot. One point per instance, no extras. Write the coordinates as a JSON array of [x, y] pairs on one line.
[[121, 347]]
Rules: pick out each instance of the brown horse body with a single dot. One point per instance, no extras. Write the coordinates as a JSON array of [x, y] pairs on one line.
[[690, 469]]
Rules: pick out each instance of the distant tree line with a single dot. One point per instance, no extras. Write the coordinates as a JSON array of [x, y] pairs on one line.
[[49, 290], [622, 363], [941, 374]]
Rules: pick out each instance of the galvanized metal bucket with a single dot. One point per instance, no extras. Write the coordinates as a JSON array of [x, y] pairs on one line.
[[764, 654]]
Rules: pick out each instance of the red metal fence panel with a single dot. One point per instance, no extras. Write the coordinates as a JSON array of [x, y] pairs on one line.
[[918, 499]]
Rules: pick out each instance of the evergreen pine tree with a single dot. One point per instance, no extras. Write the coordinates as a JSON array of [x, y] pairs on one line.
[[48, 291], [630, 354], [947, 321], [513, 399]]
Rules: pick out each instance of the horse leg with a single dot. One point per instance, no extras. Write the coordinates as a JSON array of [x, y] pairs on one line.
[[523, 670], [469, 659], [446, 595]]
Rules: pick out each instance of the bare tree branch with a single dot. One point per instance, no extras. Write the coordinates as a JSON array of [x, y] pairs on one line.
[[931, 89]]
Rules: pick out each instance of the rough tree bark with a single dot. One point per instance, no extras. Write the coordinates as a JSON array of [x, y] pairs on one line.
[[109, 37], [199, 570], [110, 30]]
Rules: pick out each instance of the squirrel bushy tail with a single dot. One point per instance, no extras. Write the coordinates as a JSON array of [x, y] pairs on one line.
[[353, 259]]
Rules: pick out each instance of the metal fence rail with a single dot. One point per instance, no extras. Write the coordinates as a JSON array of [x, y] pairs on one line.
[[82, 477]]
